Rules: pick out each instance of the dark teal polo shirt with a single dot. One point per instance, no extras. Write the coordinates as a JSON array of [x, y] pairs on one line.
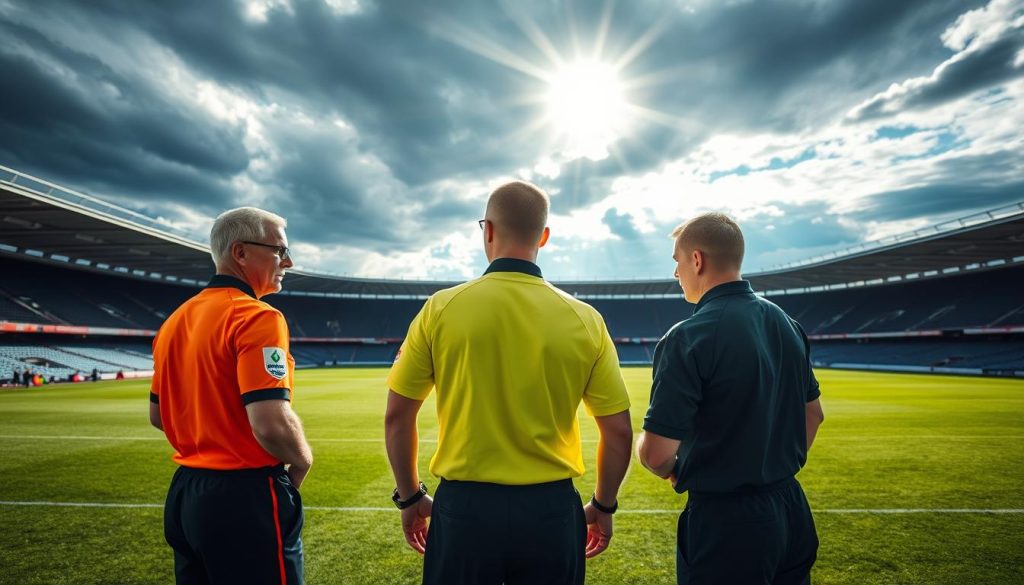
[[731, 382]]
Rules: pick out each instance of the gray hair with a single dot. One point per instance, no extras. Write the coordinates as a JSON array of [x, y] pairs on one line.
[[239, 225]]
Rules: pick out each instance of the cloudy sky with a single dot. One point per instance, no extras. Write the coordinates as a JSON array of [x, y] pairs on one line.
[[378, 128]]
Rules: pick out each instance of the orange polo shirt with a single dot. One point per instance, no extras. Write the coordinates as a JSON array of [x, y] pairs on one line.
[[222, 349]]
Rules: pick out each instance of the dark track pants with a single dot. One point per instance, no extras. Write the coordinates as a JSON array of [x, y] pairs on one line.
[[765, 536], [238, 526], [489, 534]]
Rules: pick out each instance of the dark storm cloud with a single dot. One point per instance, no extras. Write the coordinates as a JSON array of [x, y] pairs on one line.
[[68, 114], [956, 185], [411, 92], [333, 191], [408, 92], [940, 200], [423, 108], [788, 65], [971, 71]]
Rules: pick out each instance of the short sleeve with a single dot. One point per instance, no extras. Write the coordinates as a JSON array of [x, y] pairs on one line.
[[677, 389], [412, 374], [264, 365], [605, 392], [813, 388]]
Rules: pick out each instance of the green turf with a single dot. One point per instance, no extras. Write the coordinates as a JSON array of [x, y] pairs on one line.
[[889, 441]]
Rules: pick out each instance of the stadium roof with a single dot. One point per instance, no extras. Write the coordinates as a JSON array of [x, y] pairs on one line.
[[52, 223]]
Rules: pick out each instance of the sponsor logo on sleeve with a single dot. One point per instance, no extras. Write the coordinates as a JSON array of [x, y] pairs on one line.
[[275, 362]]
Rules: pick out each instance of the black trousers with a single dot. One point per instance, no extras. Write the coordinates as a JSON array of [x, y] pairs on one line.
[[238, 526], [484, 534], [764, 536]]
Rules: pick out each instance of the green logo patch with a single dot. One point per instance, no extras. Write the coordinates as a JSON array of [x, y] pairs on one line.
[[273, 362]]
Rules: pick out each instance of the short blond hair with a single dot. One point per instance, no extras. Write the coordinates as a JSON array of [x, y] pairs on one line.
[[716, 235], [520, 209], [239, 225]]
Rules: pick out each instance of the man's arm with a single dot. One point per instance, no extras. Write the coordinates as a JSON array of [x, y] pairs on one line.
[[154, 415], [401, 440], [278, 430], [657, 453], [815, 415], [613, 450]]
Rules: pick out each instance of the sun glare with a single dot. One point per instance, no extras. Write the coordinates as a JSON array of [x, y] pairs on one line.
[[587, 107]]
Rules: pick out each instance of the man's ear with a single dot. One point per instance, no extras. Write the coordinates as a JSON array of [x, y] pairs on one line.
[[544, 237], [238, 252], [698, 261]]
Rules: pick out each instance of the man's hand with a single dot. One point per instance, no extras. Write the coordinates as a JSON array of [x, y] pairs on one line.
[[414, 523], [599, 530]]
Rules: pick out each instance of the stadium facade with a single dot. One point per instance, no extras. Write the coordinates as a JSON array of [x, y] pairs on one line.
[[87, 284]]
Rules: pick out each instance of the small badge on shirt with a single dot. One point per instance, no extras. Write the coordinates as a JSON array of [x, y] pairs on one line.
[[275, 362]]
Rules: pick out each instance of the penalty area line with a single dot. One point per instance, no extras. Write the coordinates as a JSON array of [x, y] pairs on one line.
[[639, 511]]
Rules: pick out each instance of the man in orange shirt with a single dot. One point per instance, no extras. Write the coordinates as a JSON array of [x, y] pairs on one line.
[[221, 393]]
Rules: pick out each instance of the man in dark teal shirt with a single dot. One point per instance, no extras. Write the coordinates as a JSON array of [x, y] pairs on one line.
[[734, 408]]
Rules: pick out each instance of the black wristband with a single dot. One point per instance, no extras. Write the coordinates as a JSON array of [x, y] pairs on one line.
[[600, 508], [403, 504]]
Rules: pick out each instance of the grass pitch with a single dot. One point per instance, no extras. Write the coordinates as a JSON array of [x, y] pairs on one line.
[[896, 456]]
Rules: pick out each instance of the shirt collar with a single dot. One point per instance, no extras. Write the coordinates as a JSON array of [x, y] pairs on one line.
[[725, 289], [514, 265], [227, 281]]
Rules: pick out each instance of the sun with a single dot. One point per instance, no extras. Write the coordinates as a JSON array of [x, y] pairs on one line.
[[586, 107]]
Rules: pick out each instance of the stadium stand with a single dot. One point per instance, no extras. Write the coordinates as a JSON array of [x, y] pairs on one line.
[[89, 283], [62, 361], [987, 299]]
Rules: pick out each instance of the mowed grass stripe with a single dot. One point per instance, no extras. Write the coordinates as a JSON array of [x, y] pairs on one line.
[[656, 511], [162, 439], [908, 478], [585, 441]]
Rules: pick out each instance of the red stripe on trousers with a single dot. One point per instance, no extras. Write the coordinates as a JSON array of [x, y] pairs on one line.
[[277, 525]]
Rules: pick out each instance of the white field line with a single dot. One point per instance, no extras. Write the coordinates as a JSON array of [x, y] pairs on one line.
[[641, 511], [381, 440], [163, 439], [159, 438]]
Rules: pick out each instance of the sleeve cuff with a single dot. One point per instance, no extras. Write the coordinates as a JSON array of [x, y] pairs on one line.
[[813, 394], [266, 394], [410, 394], [614, 408], [666, 431], [154, 398]]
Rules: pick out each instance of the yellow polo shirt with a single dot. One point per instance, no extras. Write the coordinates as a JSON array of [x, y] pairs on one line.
[[511, 358]]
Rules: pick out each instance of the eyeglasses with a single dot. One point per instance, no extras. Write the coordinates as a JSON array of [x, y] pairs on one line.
[[481, 223], [279, 251]]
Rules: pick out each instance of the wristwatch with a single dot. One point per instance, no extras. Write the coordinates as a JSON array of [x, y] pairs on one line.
[[403, 504], [602, 508]]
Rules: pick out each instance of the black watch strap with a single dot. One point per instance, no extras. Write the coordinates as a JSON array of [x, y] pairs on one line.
[[601, 508], [403, 504]]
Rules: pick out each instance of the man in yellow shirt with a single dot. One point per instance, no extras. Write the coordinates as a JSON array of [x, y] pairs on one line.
[[511, 358]]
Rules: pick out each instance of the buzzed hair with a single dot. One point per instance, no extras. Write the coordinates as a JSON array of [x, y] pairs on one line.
[[715, 234], [520, 210]]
